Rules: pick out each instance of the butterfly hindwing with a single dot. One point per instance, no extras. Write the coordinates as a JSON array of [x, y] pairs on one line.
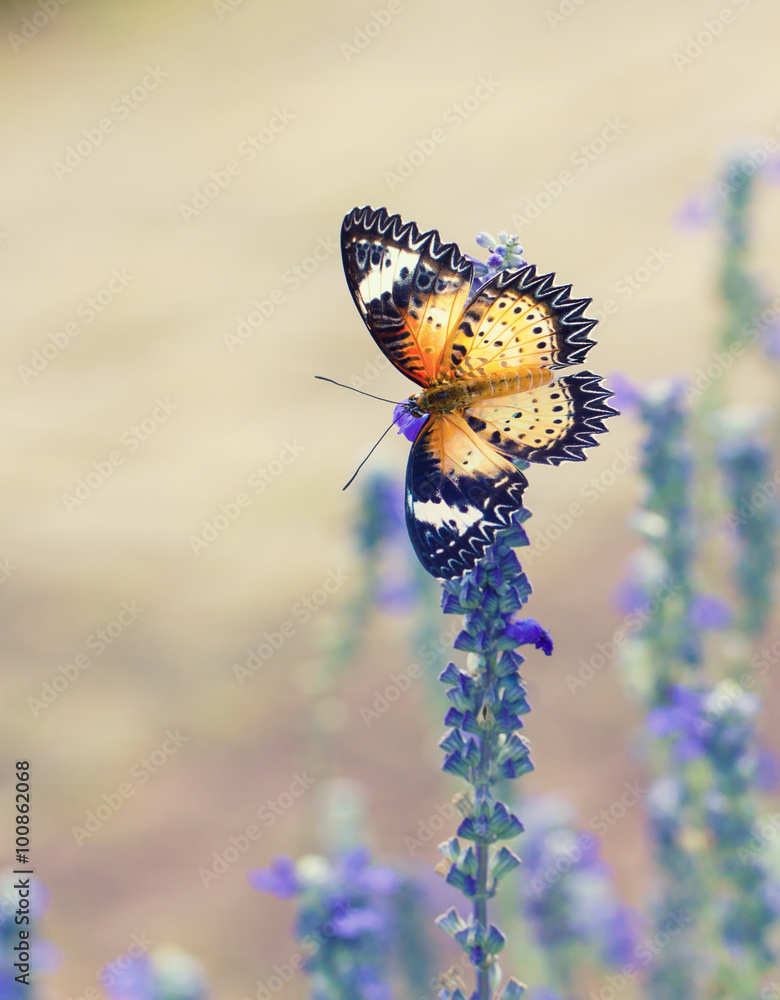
[[549, 424], [519, 319], [408, 286], [460, 492]]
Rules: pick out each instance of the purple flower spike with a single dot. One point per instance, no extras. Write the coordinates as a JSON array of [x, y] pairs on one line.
[[279, 878]]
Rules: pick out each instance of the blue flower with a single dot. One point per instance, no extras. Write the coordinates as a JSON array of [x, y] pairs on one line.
[[167, 973], [709, 612], [356, 871], [683, 718], [135, 980], [698, 212], [280, 878], [625, 395], [528, 632], [505, 252], [406, 422]]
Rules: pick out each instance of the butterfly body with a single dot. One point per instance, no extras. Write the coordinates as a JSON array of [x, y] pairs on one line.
[[449, 395], [483, 357]]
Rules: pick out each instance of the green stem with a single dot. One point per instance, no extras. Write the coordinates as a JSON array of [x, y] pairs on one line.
[[483, 794]]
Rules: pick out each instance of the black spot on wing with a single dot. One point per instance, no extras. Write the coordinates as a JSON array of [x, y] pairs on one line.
[[586, 394]]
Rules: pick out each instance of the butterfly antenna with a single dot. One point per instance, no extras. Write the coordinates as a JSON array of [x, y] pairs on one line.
[[323, 379], [372, 450]]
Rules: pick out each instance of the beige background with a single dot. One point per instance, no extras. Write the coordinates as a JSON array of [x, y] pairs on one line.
[[222, 76]]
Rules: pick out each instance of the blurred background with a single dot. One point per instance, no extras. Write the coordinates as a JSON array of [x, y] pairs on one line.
[[175, 174]]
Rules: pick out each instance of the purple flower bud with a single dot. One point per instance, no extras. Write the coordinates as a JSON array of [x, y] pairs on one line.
[[407, 424], [279, 878], [710, 612], [527, 632]]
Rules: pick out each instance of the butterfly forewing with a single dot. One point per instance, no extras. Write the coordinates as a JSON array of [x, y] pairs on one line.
[[409, 287], [518, 319]]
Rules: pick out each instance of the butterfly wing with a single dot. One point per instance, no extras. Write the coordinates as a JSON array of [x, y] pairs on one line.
[[550, 424], [460, 492], [408, 286], [518, 319]]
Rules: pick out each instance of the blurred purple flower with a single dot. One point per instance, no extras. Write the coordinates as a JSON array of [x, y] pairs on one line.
[[697, 212], [279, 878], [770, 340], [625, 395], [620, 937], [133, 980], [710, 612], [683, 718], [771, 170], [629, 596], [407, 424], [358, 921], [767, 776], [357, 871]]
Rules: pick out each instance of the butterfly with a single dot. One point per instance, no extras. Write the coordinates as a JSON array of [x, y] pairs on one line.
[[483, 357]]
